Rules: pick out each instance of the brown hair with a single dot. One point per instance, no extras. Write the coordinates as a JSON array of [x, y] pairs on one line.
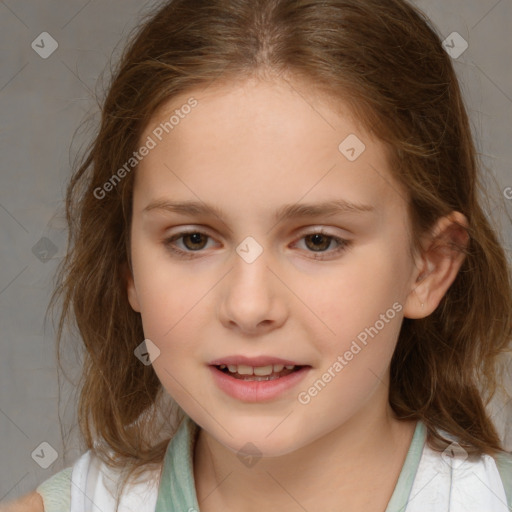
[[387, 62]]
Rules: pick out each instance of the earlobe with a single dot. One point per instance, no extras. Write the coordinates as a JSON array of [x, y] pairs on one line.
[[130, 288], [438, 265]]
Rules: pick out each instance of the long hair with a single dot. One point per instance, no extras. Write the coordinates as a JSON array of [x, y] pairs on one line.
[[387, 62]]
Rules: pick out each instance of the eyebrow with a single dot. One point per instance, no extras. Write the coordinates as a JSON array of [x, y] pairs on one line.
[[286, 212]]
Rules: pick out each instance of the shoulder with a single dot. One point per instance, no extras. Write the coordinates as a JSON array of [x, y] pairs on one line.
[[55, 492], [53, 495], [503, 462], [32, 502], [479, 482], [91, 480]]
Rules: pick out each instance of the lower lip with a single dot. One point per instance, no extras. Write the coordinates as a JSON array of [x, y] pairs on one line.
[[257, 391]]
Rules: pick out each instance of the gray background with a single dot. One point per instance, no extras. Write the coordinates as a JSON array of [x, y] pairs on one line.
[[43, 101]]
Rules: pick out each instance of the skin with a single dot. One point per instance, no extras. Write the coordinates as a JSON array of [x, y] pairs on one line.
[[249, 148], [32, 502]]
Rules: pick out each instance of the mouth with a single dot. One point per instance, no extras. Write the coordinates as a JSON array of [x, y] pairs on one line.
[[261, 373], [269, 379]]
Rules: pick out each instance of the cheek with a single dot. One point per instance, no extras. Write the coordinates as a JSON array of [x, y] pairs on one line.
[[366, 285], [360, 306], [166, 291], [170, 317]]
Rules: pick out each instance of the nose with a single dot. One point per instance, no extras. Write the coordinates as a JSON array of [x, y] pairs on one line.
[[253, 298]]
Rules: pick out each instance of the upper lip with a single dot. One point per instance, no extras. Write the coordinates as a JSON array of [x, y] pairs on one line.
[[253, 361]]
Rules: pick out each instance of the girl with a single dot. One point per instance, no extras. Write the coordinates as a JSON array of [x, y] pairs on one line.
[[288, 293]]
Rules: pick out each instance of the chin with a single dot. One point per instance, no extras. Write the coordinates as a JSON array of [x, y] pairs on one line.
[[258, 443]]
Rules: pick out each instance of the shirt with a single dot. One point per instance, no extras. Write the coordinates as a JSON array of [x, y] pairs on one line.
[[429, 481]]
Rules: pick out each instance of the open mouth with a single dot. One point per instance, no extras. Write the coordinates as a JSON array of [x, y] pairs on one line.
[[258, 374]]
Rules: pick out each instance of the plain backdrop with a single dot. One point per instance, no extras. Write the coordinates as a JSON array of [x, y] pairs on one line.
[[44, 100]]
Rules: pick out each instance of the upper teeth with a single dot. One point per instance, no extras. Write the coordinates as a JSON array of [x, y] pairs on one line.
[[256, 370]]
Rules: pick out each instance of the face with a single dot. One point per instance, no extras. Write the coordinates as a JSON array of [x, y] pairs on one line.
[[249, 271]]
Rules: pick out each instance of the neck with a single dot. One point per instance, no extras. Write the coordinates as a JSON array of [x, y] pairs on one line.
[[343, 465]]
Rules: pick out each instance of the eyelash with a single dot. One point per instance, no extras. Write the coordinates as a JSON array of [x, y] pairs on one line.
[[343, 244]]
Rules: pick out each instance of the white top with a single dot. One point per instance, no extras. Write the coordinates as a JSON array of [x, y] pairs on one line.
[[93, 488]]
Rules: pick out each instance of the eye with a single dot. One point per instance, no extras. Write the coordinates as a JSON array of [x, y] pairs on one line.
[[319, 241], [194, 241]]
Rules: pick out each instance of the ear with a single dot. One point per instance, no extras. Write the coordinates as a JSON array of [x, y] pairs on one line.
[[130, 287], [438, 265]]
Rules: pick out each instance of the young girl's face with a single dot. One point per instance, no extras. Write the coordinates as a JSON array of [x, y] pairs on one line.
[[255, 281]]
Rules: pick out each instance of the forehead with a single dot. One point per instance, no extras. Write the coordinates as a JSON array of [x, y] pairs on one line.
[[283, 138], [254, 107]]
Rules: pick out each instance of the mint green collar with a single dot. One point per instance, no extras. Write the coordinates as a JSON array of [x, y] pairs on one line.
[[177, 491], [401, 494]]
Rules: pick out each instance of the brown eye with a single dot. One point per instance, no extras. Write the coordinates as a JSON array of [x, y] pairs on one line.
[[197, 240], [191, 242], [318, 244], [319, 241]]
